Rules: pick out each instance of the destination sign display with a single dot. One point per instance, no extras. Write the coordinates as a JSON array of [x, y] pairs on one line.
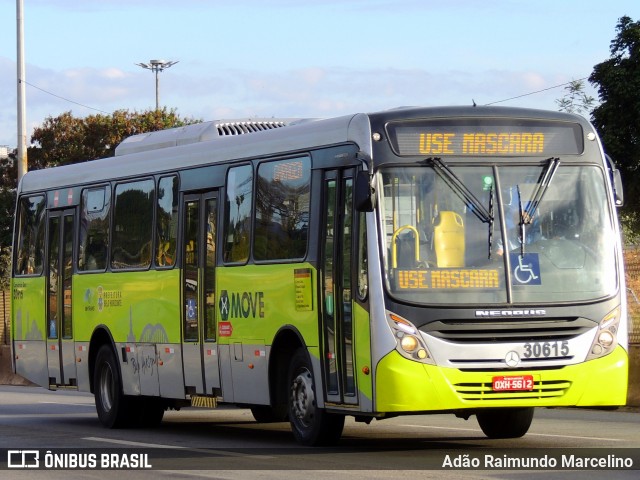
[[485, 137], [450, 278]]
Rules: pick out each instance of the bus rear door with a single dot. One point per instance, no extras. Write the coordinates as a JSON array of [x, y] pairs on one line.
[[200, 351], [60, 344]]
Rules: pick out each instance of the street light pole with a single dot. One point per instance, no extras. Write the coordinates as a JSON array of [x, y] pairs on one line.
[[22, 107], [157, 66]]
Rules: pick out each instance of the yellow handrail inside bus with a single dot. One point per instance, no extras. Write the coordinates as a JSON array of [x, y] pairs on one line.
[[394, 248]]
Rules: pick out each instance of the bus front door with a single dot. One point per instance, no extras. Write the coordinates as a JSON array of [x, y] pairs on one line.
[[200, 351], [336, 288], [61, 361]]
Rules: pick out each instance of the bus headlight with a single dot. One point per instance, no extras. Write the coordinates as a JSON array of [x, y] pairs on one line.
[[408, 340], [409, 343], [607, 336]]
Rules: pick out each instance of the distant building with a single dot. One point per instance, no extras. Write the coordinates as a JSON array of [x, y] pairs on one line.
[[4, 152]]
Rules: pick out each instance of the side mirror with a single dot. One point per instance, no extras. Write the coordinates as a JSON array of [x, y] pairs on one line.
[[618, 192], [616, 178], [365, 198]]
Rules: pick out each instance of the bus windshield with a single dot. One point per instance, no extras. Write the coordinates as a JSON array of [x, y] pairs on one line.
[[497, 234]]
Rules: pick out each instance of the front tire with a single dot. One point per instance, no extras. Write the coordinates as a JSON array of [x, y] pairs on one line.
[[505, 423], [310, 425]]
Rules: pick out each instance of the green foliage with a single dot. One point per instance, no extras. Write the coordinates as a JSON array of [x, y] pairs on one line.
[[67, 139], [617, 118], [575, 100], [630, 221], [5, 268], [8, 183]]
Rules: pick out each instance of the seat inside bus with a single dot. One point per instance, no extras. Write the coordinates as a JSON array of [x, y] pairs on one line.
[[448, 239]]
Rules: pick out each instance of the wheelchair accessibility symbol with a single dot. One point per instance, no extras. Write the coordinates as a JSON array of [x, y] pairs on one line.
[[525, 269], [192, 309]]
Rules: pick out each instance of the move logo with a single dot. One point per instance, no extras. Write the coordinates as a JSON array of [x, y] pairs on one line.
[[241, 305]]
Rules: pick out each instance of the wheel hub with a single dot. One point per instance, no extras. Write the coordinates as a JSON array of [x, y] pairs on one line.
[[106, 389], [303, 398]]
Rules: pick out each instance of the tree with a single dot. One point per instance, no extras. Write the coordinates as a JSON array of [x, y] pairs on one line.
[[67, 139], [617, 118], [8, 183], [575, 100]]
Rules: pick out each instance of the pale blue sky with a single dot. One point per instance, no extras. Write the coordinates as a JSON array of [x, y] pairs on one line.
[[298, 58]]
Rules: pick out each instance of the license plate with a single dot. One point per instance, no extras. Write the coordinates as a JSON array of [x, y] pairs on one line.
[[513, 383]]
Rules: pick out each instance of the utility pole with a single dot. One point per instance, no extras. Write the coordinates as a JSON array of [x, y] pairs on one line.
[[157, 66], [22, 121]]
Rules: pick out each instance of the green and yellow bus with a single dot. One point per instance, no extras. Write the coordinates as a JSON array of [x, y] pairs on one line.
[[462, 260]]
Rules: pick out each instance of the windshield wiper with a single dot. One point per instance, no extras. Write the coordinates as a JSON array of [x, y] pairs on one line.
[[466, 195], [491, 217], [526, 215], [543, 184]]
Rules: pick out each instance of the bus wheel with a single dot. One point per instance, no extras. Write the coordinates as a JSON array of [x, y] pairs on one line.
[[111, 404], [310, 425], [505, 423], [148, 411], [268, 414]]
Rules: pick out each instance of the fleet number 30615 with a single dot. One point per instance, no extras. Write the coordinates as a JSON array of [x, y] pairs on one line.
[[546, 349]]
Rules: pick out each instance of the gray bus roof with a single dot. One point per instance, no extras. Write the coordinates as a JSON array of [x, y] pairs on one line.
[[198, 145]]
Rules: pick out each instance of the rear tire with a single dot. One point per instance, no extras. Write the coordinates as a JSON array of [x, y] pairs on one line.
[[112, 405], [148, 411], [268, 414], [310, 425], [505, 423]]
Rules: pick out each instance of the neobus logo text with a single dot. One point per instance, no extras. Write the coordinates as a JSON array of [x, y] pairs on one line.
[[510, 313], [241, 305]]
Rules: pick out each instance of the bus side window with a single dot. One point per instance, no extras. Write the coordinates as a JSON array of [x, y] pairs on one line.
[[132, 224], [30, 239], [94, 228], [237, 221], [166, 221], [282, 209]]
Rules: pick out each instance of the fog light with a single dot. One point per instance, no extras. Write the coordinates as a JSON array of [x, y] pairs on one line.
[[422, 354], [409, 343]]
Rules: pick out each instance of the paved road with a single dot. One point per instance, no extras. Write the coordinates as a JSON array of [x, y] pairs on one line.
[[228, 443]]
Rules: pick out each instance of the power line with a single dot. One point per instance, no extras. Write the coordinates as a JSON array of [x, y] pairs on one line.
[[487, 104], [63, 98], [537, 91]]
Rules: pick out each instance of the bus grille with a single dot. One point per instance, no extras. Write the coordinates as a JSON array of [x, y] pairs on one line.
[[484, 391], [488, 331]]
